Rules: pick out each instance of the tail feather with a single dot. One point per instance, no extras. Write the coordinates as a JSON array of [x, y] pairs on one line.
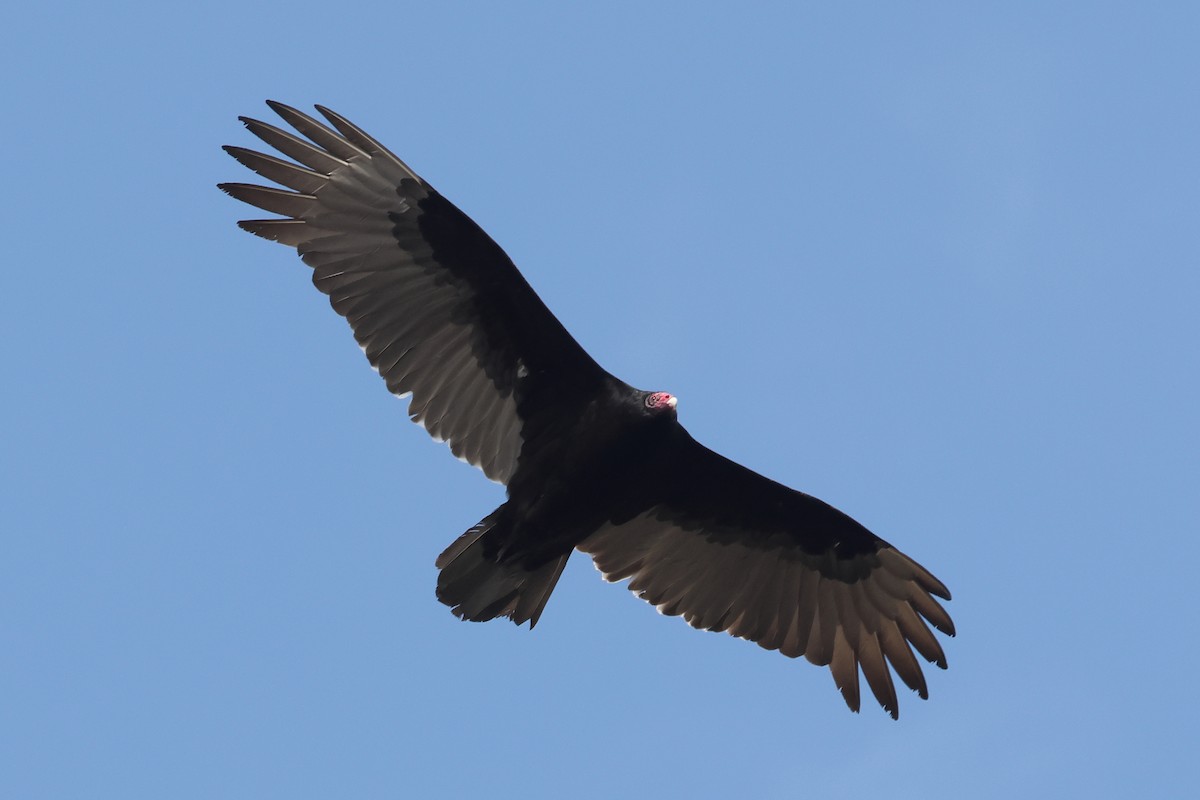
[[478, 586], [469, 538]]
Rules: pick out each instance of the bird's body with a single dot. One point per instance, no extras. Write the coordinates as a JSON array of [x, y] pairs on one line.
[[589, 462]]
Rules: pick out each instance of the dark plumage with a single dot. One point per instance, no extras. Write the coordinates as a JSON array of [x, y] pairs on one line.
[[590, 463]]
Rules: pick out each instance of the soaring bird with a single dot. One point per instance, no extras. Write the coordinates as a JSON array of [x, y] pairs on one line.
[[589, 462]]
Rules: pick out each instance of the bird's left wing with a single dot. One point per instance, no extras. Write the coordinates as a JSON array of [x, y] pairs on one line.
[[730, 550], [439, 309]]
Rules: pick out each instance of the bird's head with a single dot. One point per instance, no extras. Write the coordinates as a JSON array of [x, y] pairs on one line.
[[661, 403]]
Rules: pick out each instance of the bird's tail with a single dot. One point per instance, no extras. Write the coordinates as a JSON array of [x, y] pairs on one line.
[[479, 583]]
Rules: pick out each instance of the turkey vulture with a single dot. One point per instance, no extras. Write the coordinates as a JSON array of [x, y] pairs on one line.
[[589, 462]]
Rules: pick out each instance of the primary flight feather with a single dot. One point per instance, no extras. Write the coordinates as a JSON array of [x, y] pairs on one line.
[[589, 462]]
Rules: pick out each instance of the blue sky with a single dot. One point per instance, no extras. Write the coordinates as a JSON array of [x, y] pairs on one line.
[[935, 264]]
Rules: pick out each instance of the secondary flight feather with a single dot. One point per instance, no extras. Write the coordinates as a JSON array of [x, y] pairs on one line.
[[589, 462]]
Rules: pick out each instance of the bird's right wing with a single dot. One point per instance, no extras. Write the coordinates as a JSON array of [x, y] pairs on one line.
[[730, 550], [439, 309]]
